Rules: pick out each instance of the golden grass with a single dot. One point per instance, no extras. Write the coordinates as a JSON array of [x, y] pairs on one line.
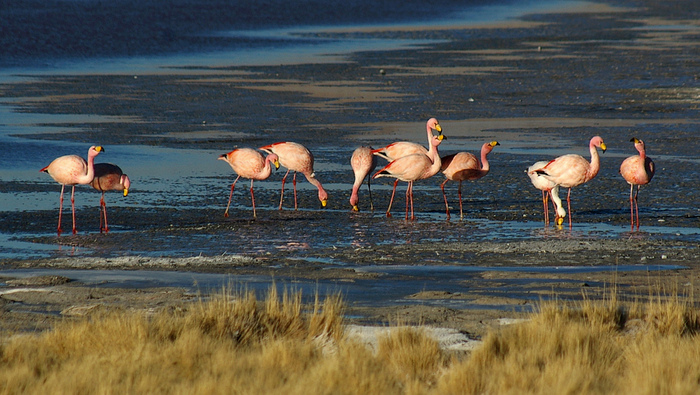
[[234, 343]]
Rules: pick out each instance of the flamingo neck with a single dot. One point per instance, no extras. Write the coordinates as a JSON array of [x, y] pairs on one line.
[[90, 175], [322, 195], [642, 151], [595, 163], [484, 162]]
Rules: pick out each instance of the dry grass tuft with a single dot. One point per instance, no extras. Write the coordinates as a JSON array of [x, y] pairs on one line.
[[236, 343]]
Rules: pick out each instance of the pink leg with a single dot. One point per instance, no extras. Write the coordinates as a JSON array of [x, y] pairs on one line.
[[252, 197], [631, 207], [60, 209], [444, 195], [636, 206], [413, 217], [391, 201], [284, 179], [103, 206], [230, 196], [72, 205], [568, 205], [459, 194], [294, 183], [546, 207]]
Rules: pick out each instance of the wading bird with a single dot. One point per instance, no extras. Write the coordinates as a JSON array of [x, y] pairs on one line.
[[411, 168], [637, 170], [72, 170], [548, 188], [249, 163], [295, 157], [109, 177], [464, 166], [362, 163], [400, 149], [572, 170]]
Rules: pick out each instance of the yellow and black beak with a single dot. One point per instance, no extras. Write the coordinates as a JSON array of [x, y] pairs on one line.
[[126, 191]]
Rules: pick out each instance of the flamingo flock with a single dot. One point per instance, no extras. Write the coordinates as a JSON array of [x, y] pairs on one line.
[[407, 161]]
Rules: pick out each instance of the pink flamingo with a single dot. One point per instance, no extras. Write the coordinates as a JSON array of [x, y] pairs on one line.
[[72, 170], [109, 177], [400, 149], [548, 188], [249, 163], [637, 170], [363, 163], [411, 168], [464, 166], [573, 170], [295, 157]]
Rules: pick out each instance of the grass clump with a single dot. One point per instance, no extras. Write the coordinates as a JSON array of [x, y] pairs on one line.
[[235, 343]]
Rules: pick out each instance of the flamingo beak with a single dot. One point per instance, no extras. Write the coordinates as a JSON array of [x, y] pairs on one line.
[[559, 221], [438, 128], [355, 208], [276, 163], [99, 149], [126, 191], [494, 143], [441, 137], [603, 147], [634, 140], [324, 202]]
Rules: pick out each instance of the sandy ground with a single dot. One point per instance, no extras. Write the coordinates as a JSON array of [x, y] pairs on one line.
[[554, 59]]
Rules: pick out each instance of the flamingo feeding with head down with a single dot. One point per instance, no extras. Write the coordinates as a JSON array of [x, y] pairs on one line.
[[464, 166], [249, 163], [548, 188], [109, 177], [573, 170], [72, 170], [362, 163], [400, 149], [295, 157], [411, 168], [637, 170]]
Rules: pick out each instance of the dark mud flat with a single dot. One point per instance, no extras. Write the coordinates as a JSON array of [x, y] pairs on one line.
[[542, 88]]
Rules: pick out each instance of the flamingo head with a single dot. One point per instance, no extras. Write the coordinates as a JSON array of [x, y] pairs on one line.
[[489, 146], [126, 183], [438, 139], [638, 144], [94, 150], [433, 124], [597, 141], [275, 160]]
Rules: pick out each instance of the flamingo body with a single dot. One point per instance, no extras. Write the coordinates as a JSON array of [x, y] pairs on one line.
[[464, 166], [412, 168], [362, 163], [249, 163], [72, 170], [637, 170], [109, 177], [548, 188], [297, 158], [573, 170]]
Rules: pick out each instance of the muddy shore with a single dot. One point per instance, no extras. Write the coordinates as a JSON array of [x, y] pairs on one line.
[[616, 69]]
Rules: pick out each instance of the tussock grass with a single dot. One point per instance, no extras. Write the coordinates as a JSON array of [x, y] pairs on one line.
[[235, 343]]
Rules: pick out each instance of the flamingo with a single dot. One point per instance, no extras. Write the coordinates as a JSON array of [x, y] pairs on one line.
[[573, 170], [249, 163], [637, 170], [363, 163], [411, 168], [72, 170], [295, 157], [464, 166], [548, 188], [400, 149], [109, 177]]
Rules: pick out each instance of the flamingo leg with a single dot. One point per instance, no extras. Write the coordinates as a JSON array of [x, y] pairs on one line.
[[545, 196], [294, 183], [391, 201], [631, 207], [568, 205], [284, 179], [636, 206], [369, 189], [444, 195], [103, 205], [459, 193], [72, 205], [413, 216], [252, 197], [408, 191], [230, 196], [60, 209]]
